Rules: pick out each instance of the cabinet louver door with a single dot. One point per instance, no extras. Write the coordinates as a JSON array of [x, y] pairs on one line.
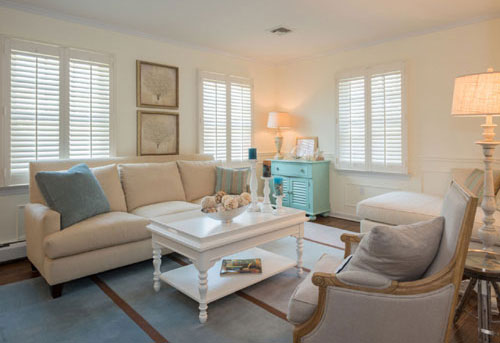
[[299, 193], [286, 191]]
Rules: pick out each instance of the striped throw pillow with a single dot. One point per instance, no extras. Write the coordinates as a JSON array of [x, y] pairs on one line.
[[231, 181], [474, 182]]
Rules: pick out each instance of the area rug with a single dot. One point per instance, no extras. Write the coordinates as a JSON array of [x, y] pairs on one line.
[[121, 306]]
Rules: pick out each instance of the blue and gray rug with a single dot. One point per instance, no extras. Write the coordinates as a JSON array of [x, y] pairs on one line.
[[121, 306]]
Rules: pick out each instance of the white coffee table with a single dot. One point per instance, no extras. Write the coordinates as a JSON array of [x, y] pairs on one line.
[[206, 241]]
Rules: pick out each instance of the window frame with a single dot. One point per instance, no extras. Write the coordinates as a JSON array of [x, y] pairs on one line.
[[65, 54], [228, 80], [367, 73]]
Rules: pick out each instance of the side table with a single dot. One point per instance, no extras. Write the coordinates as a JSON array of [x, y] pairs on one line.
[[482, 268]]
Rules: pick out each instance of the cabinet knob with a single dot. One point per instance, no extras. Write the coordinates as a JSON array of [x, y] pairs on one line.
[[302, 170], [277, 168]]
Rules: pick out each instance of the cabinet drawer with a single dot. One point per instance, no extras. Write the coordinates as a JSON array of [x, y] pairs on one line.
[[291, 169]]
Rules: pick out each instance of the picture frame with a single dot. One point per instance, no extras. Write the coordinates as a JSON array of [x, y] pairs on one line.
[[157, 85], [306, 146], [157, 133]]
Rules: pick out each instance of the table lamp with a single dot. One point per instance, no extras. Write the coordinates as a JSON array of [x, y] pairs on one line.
[[479, 95], [278, 120]]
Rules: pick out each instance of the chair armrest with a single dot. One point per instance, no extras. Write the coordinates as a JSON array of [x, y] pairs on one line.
[[351, 241], [356, 280]]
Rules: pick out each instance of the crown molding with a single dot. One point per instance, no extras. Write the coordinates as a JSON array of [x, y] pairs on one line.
[[123, 30]]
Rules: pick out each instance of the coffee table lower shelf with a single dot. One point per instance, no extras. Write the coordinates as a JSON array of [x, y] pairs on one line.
[[185, 279]]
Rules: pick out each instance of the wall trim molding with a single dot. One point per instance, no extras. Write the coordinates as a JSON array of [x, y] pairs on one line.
[[13, 251], [13, 190]]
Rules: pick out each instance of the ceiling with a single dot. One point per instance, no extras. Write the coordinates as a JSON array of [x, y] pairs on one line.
[[240, 27]]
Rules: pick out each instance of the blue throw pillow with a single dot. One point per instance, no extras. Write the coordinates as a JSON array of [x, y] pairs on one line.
[[231, 181], [75, 194]]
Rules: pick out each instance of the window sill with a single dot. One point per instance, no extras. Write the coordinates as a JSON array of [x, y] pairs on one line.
[[12, 190], [400, 174]]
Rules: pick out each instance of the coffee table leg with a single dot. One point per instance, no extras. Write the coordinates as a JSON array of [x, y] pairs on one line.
[[300, 250], [156, 264], [203, 289]]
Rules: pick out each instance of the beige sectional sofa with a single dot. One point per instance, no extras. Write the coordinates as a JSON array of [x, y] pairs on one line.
[[137, 188]]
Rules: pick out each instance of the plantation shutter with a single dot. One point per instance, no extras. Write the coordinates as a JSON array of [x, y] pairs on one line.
[[34, 107], [351, 122], [386, 121], [89, 108], [214, 115], [241, 120]]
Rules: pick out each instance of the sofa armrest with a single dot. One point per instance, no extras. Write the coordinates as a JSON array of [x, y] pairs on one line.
[[351, 241], [39, 222]]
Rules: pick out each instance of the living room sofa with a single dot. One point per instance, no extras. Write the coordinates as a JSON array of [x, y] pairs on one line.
[[398, 208], [137, 189]]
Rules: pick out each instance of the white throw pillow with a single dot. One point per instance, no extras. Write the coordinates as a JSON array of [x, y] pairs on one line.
[[400, 253]]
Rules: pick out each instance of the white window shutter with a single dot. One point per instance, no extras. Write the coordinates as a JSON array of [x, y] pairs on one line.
[[386, 122], [351, 123], [214, 117], [241, 120], [89, 109], [34, 110]]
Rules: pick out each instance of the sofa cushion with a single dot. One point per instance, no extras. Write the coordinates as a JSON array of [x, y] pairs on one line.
[[400, 253], [109, 179], [150, 183], [232, 181], [163, 208], [304, 299], [396, 208], [198, 178], [75, 194], [102, 231]]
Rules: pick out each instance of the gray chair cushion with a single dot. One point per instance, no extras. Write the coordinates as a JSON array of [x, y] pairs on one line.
[[400, 253], [305, 297]]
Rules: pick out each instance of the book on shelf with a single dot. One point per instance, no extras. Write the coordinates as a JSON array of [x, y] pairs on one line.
[[241, 266]]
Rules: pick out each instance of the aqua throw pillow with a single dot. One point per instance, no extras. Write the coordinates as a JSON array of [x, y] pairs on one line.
[[75, 194], [231, 181]]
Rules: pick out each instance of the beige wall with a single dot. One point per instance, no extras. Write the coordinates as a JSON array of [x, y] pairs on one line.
[[436, 141], [126, 50]]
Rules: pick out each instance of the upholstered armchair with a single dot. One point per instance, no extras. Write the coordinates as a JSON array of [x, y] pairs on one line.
[[357, 306]]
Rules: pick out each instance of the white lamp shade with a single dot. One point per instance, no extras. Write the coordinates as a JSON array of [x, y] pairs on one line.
[[477, 94], [278, 120]]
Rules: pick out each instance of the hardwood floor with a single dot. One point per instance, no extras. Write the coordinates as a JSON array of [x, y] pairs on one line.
[[465, 331]]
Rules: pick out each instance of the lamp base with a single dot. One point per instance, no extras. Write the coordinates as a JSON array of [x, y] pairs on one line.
[[278, 142], [487, 233]]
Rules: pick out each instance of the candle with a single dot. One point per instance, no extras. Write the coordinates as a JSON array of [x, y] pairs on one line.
[[278, 186], [266, 168], [252, 154]]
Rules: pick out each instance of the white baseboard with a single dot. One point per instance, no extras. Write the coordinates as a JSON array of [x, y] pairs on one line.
[[13, 251], [344, 216]]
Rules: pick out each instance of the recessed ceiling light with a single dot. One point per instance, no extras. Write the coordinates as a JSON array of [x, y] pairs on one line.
[[280, 30]]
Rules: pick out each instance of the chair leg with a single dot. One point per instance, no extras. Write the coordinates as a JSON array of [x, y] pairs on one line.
[[56, 290]]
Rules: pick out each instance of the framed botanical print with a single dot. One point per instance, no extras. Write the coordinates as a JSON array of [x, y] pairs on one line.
[[157, 133], [306, 146], [157, 85]]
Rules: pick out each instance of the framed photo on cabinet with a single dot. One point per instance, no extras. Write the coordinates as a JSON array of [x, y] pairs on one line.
[[157, 133], [157, 85]]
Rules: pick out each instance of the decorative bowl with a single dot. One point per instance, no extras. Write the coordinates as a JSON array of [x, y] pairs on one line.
[[226, 217]]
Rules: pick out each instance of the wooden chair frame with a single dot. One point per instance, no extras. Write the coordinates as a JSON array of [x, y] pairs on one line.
[[452, 273]]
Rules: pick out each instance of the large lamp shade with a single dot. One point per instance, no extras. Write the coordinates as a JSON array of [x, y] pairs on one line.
[[278, 120], [477, 94]]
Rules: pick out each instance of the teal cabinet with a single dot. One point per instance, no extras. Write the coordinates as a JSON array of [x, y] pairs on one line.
[[306, 185]]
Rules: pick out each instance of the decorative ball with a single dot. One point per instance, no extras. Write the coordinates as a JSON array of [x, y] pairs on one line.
[[221, 209], [219, 195], [208, 202], [246, 196], [230, 203]]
